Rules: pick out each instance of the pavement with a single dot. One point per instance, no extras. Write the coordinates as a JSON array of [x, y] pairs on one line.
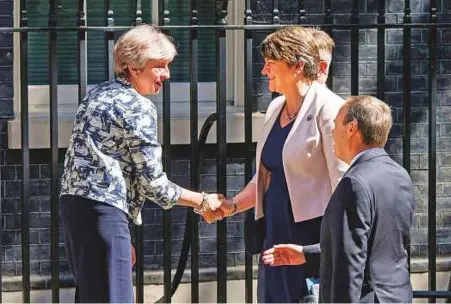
[[153, 290], [207, 293]]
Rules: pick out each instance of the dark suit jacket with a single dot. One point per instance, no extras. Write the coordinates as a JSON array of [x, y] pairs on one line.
[[366, 232]]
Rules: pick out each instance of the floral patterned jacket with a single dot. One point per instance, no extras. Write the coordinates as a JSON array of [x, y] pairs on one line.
[[114, 156]]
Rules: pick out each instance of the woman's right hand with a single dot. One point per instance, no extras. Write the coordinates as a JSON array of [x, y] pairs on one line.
[[226, 208], [212, 216]]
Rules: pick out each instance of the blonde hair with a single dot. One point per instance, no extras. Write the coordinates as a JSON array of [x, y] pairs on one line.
[[293, 44], [324, 43], [374, 118], [139, 45]]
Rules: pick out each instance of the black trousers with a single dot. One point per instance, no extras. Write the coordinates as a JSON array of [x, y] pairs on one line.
[[98, 249]]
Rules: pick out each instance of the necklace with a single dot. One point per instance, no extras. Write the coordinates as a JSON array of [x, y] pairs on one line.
[[292, 116]]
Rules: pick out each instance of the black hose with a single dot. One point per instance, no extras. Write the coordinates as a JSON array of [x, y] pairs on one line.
[[187, 236]]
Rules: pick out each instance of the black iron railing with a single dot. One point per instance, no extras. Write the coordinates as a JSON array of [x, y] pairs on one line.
[[432, 173], [221, 27], [406, 43], [248, 109]]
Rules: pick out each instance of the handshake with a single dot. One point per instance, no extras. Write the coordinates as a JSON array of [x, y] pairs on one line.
[[215, 207]]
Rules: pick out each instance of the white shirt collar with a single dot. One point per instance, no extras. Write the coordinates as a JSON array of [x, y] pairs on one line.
[[360, 154]]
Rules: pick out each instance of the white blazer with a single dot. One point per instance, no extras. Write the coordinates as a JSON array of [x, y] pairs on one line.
[[311, 169]]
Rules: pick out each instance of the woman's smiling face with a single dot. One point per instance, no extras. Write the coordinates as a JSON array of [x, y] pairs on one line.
[[150, 79], [280, 75]]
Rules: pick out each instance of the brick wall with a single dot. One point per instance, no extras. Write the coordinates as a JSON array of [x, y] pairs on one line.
[[40, 173], [40, 235], [6, 108]]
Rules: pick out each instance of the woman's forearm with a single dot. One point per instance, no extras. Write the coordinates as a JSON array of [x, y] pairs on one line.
[[190, 198], [246, 198]]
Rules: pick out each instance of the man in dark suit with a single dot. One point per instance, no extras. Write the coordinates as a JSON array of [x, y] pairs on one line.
[[365, 230]]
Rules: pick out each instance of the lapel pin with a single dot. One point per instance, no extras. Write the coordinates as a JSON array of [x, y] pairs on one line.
[[309, 117]]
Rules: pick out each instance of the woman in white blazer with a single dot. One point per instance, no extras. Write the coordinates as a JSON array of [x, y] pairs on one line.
[[297, 170]]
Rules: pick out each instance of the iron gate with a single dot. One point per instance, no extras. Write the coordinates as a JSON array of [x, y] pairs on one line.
[[221, 27]]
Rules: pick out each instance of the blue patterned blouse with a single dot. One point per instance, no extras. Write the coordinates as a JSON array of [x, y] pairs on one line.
[[114, 156]]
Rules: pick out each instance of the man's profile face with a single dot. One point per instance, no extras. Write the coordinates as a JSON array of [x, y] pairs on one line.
[[340, 135]]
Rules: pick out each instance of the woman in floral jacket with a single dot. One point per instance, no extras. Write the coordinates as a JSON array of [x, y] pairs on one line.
[[113, 164]]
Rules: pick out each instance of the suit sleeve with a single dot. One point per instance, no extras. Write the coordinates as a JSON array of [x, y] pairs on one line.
[[350, 249], [326, 125], [312, 253], [311, 249]]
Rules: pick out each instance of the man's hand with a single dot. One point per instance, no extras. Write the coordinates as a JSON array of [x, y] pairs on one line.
[[284, 254]]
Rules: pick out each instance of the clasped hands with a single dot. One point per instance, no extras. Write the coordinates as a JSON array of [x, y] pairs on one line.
[[215, 207]]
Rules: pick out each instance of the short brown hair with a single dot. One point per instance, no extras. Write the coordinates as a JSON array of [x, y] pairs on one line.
[[374, 119], [323, 41], [293, 44]]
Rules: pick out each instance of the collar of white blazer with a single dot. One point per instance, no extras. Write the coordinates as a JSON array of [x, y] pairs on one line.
[[276, 106], [311, 169]]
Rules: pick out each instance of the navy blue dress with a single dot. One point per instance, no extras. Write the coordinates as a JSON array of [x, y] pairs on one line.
[[284, 284]]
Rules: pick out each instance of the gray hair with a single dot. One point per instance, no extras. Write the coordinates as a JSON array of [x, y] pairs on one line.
[[139, 45], [374, 119], [325, 44]]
